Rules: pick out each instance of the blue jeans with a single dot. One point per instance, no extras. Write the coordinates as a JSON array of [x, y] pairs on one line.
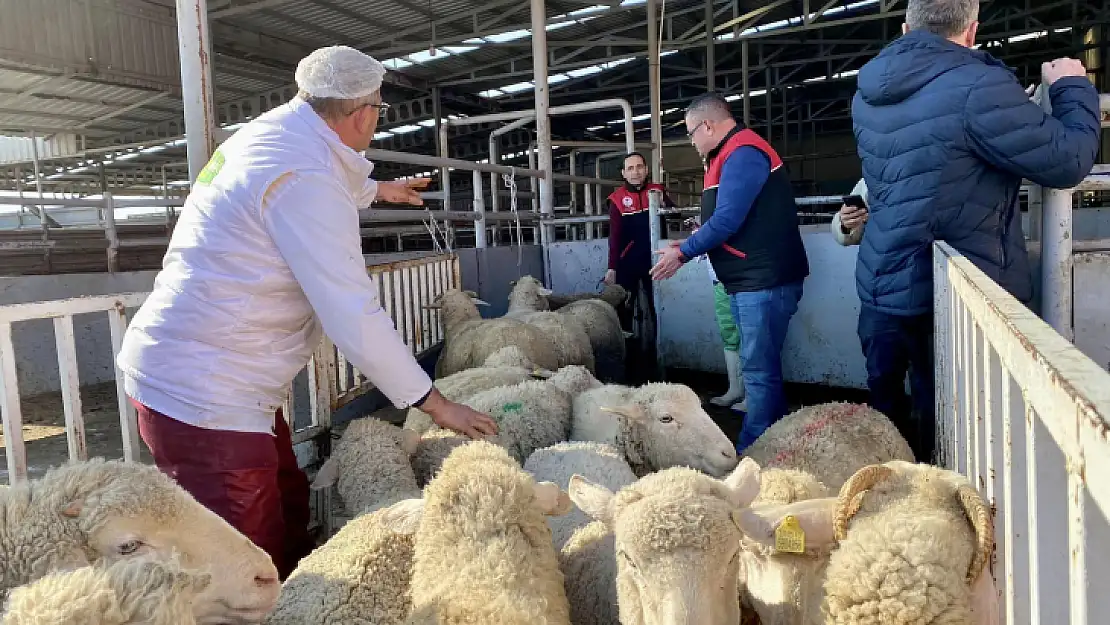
[[763, 317], [893, 347]]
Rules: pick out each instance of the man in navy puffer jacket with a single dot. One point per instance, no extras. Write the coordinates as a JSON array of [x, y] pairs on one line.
[[946, 134]]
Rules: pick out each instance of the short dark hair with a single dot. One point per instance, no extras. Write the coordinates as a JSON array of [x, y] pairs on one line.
[[711, 105], [945, 18], [631, 154]]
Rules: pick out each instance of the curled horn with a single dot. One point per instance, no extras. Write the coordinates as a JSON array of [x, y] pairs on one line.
[[850, 499], [980, 516]]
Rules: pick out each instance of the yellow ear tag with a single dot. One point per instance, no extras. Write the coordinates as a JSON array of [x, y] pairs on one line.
[[789, 536]]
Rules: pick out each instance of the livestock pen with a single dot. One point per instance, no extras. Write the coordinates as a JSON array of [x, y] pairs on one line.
[[1021, 411]]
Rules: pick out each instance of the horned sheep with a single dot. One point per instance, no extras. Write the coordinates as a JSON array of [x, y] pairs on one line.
[[483, 551], [125, 592], [913, 540], [99, 512], [470, 339]]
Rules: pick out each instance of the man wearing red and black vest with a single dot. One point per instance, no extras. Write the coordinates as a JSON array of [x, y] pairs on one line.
[[630, 239], [750, 233]]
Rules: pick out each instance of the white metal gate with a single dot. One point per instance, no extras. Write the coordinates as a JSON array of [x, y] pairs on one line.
[[1024, 414]]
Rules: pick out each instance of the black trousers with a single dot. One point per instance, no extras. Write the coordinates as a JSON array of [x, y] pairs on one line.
[[893, 347], [641, 356]]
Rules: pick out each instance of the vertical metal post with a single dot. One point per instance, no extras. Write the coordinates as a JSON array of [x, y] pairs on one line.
[[747, 83], [195, 50], [591, 228], [655, 202], [1056, 253], [654, 88], [710, 60], [19, 191], [543, 121], [111, 232], [444, 172], [38, 181], [480, 210]]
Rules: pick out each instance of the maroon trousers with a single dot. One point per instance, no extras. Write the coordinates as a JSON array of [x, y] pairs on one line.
[[251, 480]]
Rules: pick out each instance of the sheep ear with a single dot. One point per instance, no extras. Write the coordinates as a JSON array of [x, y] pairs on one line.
[[479, 302], [744, 482], [593, 499], [471, 294], [327, 476], [552, 500], [540, 373], [404, 516], [546, 292], [814, 516], [73, 509], [410, 440], [627, 334], [433, 306], [512, 283], [631, 411]]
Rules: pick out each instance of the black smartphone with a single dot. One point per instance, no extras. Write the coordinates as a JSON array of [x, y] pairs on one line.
[[855, 201]]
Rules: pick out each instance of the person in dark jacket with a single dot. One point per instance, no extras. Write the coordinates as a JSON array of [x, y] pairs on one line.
[[630, 251], [750, 234], [945, 134]]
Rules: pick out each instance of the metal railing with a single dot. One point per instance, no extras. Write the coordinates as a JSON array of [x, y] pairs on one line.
[[405, 287], [1024, 415]]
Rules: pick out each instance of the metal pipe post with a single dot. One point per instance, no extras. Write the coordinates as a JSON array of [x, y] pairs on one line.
[[480, 211], [38, 183], [747, 84], [654, 89], [655, 202], [710, 62], [588, 192], [1057, 262], [195, 51], [111, 232], [494, 155], [444, 171], [543, 118]]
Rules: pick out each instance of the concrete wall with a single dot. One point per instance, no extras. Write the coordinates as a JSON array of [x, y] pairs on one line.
[[821, 345], [1092, 306]]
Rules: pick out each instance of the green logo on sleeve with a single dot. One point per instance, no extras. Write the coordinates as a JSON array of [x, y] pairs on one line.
[[213, 167]]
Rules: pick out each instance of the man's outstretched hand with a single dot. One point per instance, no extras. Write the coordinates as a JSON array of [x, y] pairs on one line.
[[457, 417], [402, 191], [670, 261]]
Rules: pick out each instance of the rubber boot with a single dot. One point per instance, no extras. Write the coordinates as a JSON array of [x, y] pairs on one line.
[[735, 391]]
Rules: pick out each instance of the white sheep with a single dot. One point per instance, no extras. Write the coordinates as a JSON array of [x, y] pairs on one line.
[[677, 543], [371, 466], [126, 592], [534, 414], [913, 540], [483, 550], [527, 302], [830, 441], [600, 463], [100, 511], [655, 426], [431, 450], [470, 339], [508, 365], [361, 574], [589, 564], [596, 317]]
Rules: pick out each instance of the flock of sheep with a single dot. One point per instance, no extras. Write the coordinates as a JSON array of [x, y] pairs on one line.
[[595, 504]]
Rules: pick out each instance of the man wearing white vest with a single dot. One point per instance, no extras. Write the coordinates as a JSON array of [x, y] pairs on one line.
[[266, 257]]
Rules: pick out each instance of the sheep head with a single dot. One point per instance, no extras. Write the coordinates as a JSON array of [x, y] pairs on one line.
[[573, 380], [900, 477], [677, 535], [528, 294], [457, 307], [108, 511], [664, 425]]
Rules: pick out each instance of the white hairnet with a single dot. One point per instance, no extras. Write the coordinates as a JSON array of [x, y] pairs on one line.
[[339, 72]]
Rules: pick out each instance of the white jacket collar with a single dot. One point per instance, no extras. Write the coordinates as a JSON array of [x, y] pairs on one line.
[[355, 165]]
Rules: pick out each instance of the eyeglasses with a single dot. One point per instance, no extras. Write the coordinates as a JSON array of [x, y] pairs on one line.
[[690, 135], [381, 106]]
